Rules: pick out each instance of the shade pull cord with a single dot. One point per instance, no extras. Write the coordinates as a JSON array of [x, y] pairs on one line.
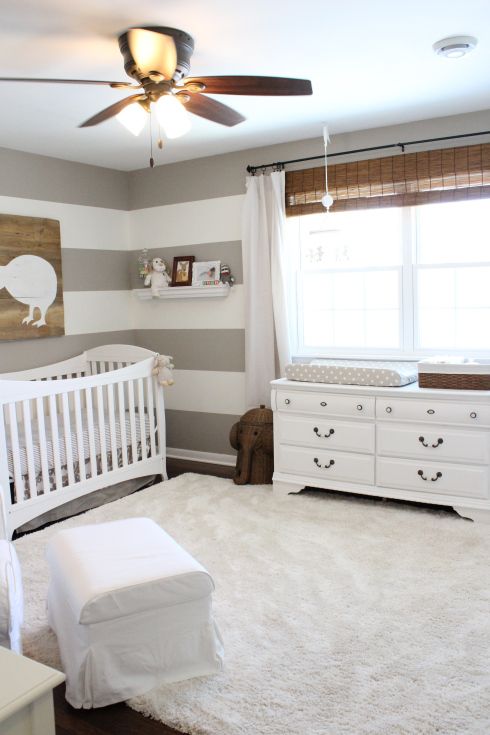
[[327, 199]]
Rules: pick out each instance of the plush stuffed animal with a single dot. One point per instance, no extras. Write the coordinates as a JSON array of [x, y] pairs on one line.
[[158, 277], [163, 370], [225, 275]]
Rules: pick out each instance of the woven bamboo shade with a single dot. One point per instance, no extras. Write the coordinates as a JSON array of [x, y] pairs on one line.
[[449, 174]]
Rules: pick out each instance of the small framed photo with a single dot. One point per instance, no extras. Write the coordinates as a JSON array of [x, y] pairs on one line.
[[182, 271], [206, 273]]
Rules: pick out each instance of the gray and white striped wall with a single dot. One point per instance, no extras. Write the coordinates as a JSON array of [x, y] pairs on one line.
[[187, 208]]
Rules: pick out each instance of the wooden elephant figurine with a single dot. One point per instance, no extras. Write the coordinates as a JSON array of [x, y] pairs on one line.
[[253, 438]]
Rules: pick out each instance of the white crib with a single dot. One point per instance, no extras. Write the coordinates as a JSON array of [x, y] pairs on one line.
[[77, 426]]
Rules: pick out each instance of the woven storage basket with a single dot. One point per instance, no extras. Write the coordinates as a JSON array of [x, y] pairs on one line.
[[454, 381], [464, 376]]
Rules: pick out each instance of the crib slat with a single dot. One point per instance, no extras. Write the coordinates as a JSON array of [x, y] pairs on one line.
[[31, 471], [122, 423], [55, 441], [80, 442], [151, 414], [112, 424], [91, 432], [14, 443], [141, 413], [101, 428], [132, 421], [68, 438], [43, 445]]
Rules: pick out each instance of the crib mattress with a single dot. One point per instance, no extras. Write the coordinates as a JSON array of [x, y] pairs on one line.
[[74, 443], [354, 372]]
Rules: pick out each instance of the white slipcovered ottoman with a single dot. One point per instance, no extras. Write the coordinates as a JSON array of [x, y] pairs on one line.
[[131, 609]]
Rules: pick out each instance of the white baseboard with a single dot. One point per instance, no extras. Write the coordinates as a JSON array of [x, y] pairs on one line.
[[210, 457]]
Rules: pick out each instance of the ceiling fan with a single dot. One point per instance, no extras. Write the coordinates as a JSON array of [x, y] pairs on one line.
[[158, 60]]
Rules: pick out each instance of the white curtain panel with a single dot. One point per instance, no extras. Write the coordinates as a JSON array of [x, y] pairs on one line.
[[263, 240]]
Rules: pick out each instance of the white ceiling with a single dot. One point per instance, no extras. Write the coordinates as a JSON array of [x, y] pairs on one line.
[[371, 64]]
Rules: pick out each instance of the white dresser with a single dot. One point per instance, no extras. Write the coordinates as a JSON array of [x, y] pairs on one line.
[[408, 443], [26, 699]]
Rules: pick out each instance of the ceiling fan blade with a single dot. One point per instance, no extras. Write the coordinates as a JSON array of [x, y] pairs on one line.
[[67, 81], [112, 110], [152, 52], [251, 85], [203, 106]]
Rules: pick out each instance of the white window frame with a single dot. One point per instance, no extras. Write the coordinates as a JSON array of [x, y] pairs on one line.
[[409, 321]]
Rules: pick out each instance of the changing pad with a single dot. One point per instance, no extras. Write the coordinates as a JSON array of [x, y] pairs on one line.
[[354, 372]]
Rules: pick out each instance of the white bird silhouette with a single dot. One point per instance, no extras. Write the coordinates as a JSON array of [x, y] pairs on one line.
[[31, 280]]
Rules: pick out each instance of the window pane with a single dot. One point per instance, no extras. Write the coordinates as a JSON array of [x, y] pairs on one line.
[[351, 239], [455, 232], [351, 309], [454, 308], [383, 328], [437, 329]]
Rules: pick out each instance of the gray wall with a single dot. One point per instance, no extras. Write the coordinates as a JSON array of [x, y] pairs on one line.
[[31, 176], [217, 176], [87, 200], [105, 273]]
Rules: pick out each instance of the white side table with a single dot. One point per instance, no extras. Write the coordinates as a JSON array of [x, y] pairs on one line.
[[26, 699]]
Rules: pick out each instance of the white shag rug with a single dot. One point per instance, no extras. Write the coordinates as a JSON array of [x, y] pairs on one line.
[[340, 615]]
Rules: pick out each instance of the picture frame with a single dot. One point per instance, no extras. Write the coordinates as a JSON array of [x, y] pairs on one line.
[[182, 270], [206, 273]]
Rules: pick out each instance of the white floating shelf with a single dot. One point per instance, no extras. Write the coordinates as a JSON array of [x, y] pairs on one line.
[[184, 292]]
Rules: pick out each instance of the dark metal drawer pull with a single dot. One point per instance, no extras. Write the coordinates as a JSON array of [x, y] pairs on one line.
[[388, 409], [323, 436], [359, 406], [473, 414], [323, 403], [431, 411], [434, 446], [287, 401], [420, 473], [324, 466]]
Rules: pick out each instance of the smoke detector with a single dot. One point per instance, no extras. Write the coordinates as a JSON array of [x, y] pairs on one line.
[[455, 46]]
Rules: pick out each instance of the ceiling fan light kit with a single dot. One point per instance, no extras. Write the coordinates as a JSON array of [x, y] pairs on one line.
[[455, 47]]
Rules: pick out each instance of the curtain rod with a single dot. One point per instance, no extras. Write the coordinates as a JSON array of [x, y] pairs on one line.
[[279, 164]]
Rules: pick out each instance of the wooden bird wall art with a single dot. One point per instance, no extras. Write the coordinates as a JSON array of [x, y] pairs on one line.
[[31, 284]]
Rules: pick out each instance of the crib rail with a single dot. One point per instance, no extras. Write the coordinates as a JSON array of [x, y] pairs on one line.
[[75, 367], [61, 439]]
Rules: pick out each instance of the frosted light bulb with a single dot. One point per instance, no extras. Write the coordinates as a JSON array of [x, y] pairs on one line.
[[133, 118], [172, 116]]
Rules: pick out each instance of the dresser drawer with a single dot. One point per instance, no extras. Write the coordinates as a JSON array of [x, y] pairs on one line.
[[432, 477], [433, 411], [324, 433], [325, 465], [433, 443], [325, 404]]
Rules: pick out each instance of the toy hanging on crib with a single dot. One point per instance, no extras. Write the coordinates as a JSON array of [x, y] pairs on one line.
[[158, 277], [163, 370]]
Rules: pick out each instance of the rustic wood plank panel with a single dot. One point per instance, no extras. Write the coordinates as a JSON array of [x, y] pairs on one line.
[[29, 292]]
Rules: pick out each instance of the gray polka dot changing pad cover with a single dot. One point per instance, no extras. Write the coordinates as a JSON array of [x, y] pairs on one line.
[[354, 372]]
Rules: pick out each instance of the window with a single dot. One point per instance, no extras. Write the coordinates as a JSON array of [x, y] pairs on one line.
[[406, 281]]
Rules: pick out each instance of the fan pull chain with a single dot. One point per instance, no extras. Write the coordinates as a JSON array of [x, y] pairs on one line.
[[152, 161], [160, 139]]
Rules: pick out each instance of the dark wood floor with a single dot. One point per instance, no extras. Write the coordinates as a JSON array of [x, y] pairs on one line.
[[118, 719]]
